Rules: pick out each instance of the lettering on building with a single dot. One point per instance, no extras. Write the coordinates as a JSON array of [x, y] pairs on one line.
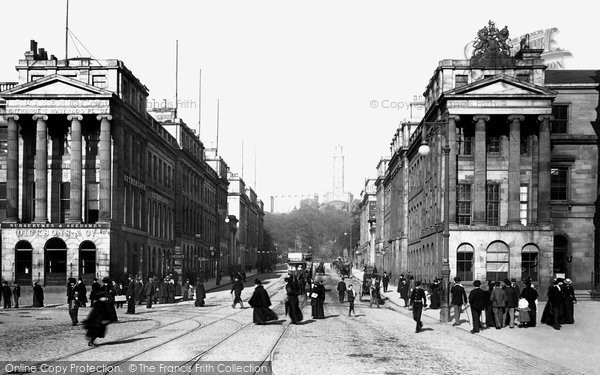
[[134, 182]]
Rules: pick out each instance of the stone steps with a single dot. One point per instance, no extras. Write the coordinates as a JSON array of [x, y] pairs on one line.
[[586, 296]]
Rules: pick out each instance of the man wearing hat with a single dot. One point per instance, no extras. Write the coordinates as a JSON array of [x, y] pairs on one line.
[[512, 302], [459, 297], [556, 301], [477, 300], [418, 300], [73, 301]]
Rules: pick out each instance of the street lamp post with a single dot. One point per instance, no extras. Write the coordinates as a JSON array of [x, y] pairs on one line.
[[372, 228], [424, 150]]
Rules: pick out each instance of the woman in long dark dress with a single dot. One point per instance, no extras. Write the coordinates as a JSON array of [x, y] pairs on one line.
[[108, 291], [293, 305], [200, 293], [99, 318], [569, 295], [317, 301], [186, 290], [38, 295], [260, 303], [435, 295]]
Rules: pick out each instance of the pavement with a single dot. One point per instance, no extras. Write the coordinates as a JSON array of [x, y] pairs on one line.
[[573, 346], [374, 341], [57, 295]]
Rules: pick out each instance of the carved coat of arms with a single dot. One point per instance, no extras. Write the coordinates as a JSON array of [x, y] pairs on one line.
[[491, 41]]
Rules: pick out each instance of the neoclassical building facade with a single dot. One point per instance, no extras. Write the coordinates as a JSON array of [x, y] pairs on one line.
[[92, 185], [522, 174]]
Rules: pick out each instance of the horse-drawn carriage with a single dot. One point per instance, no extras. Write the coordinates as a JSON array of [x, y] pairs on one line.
[[346, 269], [343, 268], [371, 280]]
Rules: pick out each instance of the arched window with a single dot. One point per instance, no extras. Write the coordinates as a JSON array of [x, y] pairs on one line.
[[464, 261], [497, 261], [529, 262]]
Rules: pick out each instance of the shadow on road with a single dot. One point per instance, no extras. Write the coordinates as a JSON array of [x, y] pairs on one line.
[[426, 329], [331, 316], [305, 322], [274, 322], [127, 341]]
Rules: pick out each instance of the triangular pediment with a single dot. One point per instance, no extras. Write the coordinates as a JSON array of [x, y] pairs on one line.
[[500, 85], [55, 85]]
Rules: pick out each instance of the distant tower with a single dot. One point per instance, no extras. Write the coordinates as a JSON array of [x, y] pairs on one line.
[[338, 196], [338, 170]]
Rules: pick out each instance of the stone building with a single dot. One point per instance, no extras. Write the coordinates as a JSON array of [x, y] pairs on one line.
[[522, 173], [201, 185], [92, 185], [365, 253], [221, 254], [244, 204]]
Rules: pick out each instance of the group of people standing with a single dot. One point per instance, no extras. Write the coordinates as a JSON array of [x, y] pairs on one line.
[[501, 303], [9, 294]]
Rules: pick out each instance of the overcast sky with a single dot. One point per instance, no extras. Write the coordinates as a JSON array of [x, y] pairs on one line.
[[294, 78]]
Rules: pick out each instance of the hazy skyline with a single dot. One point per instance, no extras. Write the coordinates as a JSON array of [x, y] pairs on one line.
[[294, 79]]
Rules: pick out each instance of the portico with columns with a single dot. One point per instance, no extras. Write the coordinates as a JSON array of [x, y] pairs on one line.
[[59, 171], [497, 119]]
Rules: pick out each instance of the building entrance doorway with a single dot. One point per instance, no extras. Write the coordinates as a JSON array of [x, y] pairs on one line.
[[87, 261], [55, 262], [23, 263]]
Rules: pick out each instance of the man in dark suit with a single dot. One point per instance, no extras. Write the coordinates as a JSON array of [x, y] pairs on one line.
[[418, 300], [403, 289], [385, 279], [149, 291], [459, 297], [556, 299], [341, 288], [478, 301], [512, 301]]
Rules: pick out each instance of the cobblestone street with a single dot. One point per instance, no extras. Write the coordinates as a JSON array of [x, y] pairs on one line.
[[376, 341]]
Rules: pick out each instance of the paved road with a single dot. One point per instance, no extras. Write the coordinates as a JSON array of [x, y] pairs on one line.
[[377, 341], [383, 341]]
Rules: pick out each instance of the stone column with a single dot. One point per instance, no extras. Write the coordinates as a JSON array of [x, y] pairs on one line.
[[514, 169], [105, 167], [12, 169], [544, 209], [76, 169], [480, 169], [41, 169], [452, 119]]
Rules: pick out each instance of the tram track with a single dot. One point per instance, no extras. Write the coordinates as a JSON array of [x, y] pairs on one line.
[[269, 357], [195, 330], [192, 362], [157, 325]]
